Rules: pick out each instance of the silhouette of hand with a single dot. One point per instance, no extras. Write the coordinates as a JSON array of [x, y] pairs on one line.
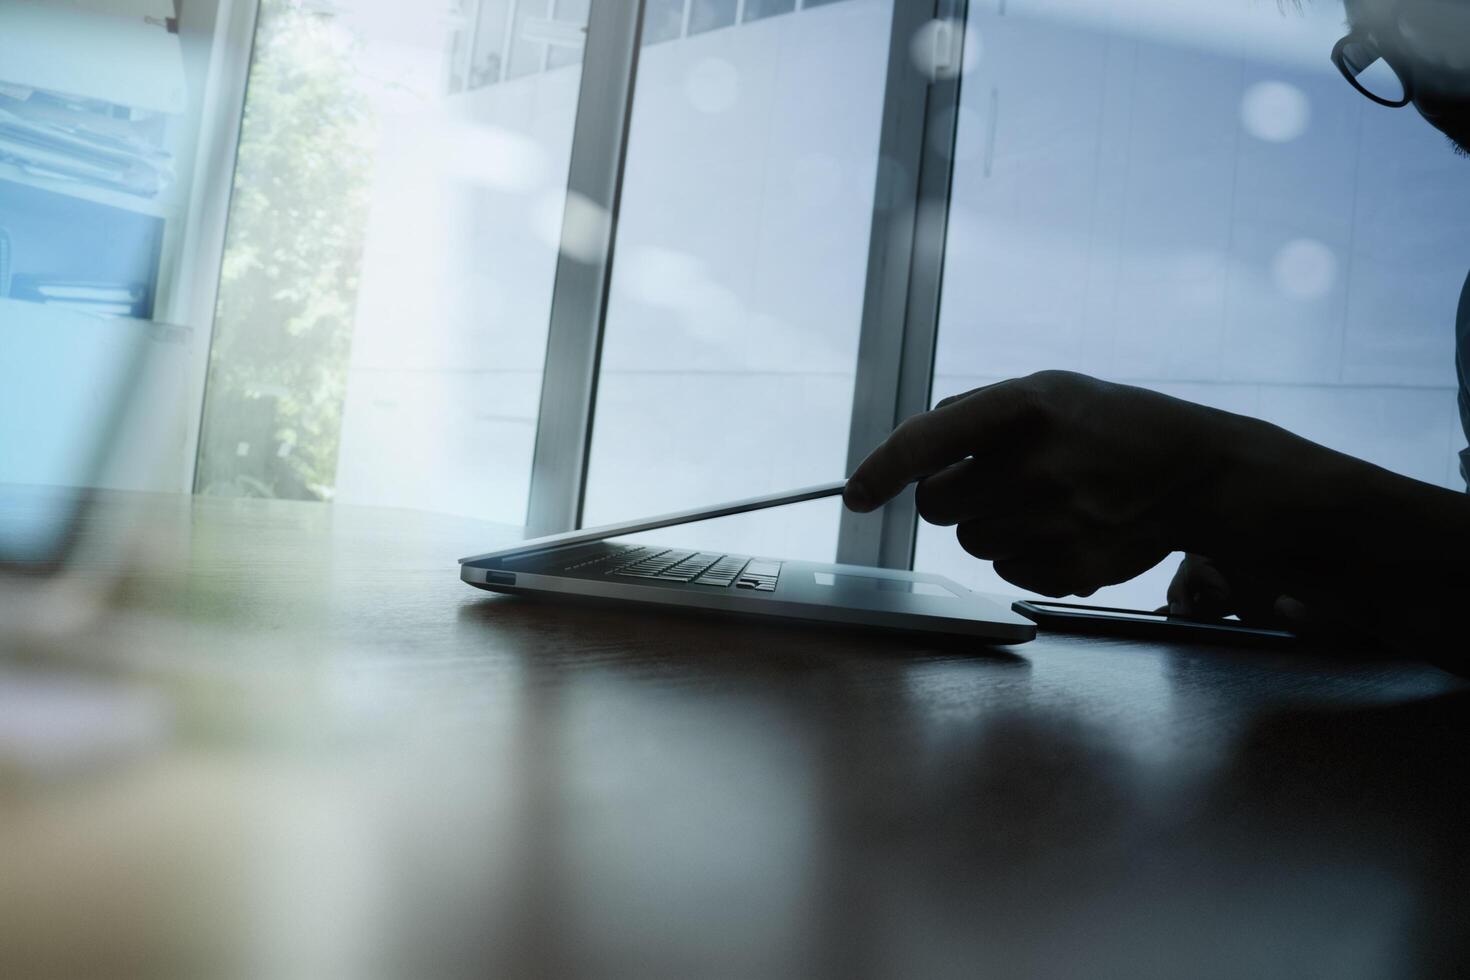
[[1205, 589], [1202, 589], [1067, 483]]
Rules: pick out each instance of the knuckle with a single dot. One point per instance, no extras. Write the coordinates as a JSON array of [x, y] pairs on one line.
[[1055, 378], [908, 443], [905, 431], [1050, 376], [952, 399], [1035, 402], [1046, 394]]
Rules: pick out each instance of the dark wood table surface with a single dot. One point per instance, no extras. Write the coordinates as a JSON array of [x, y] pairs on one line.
[[291, 743]]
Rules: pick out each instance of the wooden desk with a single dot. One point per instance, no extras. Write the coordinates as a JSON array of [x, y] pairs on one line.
[[349, 764]]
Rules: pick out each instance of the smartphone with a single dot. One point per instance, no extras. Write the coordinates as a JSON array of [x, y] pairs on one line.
[[1140, 624]]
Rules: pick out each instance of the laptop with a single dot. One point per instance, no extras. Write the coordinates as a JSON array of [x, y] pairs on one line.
[[586, 564]]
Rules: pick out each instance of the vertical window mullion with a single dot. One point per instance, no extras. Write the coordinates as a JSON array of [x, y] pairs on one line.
[[579, 297], [905, 270]]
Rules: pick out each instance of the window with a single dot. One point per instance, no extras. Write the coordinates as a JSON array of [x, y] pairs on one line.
[[732, 328], [1186, 197], [756, 9], [391, 252], [707, 15], [663, 20], [94, 127], [1137, 199]]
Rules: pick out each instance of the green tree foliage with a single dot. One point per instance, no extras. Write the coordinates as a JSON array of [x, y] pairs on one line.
[[293, 255]]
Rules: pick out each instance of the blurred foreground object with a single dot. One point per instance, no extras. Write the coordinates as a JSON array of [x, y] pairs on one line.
[[86, 403]]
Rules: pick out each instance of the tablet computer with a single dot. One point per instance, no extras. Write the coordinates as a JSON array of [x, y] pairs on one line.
[[1141, 624]]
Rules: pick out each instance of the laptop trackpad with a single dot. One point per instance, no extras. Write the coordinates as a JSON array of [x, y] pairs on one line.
[[872, 583]]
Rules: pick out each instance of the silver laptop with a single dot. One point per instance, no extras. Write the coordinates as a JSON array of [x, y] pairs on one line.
[[586, 564]]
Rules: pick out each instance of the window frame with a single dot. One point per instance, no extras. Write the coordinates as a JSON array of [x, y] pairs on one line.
[[580, 295], [895, 371], [222, 114]]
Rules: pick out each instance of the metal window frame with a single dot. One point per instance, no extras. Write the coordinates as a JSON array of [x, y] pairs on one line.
[[580, 294], [222, 115], [900, 323], [507, 43]]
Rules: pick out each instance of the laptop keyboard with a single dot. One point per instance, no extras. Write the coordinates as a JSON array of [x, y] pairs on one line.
[[710, 568]]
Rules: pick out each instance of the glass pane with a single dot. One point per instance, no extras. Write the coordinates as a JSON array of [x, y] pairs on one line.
[[1136, 199], [756, 9], [1358, 54], [706, 15], [663, 20], [1381, 80], [102, 107], [528, 46], [737, 288], [479, 32], [387, 283], [570, 21]]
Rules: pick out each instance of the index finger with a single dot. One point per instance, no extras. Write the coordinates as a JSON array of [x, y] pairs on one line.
[[929, 442]]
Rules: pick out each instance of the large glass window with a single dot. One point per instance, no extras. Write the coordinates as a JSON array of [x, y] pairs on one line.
[[738, 279], [391, 253], [1189, 197]]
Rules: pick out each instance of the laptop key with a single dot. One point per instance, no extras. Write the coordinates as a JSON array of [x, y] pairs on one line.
[[722, 574], [691, 568]]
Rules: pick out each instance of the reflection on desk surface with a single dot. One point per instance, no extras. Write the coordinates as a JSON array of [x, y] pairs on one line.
[[295, 744]]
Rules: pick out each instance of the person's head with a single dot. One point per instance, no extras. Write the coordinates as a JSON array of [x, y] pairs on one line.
[[1426, 44]]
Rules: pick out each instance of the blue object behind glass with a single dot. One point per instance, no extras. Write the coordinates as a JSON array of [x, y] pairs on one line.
[[78, 253]]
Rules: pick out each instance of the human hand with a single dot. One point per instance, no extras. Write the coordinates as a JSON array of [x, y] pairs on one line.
[[1202, 589], [1067, 483]]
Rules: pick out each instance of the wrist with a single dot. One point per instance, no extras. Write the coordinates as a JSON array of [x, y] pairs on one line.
[[1273, 501], [1260, 493]]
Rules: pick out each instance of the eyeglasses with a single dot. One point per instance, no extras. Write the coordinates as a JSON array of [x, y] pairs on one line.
[[1360, 59]]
